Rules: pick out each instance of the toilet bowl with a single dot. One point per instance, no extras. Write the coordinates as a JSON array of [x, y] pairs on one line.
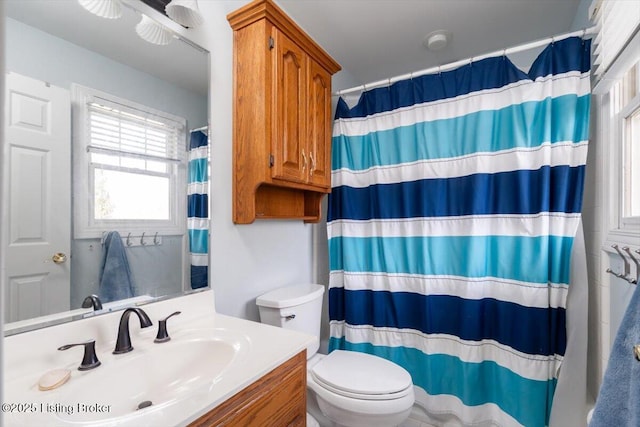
[[360, 390], [312, 422], [344, 388]]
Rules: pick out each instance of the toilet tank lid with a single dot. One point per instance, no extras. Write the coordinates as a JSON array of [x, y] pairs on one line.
[[290, 296]]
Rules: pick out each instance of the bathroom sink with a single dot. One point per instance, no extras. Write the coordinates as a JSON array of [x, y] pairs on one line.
[[152, 377], [209, 360]]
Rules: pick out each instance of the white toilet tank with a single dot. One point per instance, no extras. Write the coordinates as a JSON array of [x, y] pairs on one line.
[[297, 307]]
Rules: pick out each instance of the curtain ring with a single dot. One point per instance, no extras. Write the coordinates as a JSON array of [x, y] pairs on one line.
[[129, 239], [142, 242]]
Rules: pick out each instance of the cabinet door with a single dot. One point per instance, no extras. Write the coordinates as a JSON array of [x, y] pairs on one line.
[[319, 125], [288, 146]]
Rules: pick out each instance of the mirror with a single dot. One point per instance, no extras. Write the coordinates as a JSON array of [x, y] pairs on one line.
[[76, 83]]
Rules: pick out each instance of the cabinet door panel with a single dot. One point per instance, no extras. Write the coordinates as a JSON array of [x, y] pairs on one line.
[[277, 399], [319, 125], [290, 156]]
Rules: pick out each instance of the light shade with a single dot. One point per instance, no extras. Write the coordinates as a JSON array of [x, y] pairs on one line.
[[151, 31], [185, 12], [110, 9], [437, 40]]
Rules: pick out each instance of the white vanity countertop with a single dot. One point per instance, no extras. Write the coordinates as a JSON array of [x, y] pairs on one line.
[[30, 355]]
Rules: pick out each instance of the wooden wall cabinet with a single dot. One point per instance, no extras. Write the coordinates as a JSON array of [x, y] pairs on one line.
[[282, 117], [277, 399]]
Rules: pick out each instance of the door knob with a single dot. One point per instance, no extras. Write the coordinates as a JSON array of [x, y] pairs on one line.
[[59, 258]]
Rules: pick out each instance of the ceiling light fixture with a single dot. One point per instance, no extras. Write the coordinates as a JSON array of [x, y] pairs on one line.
[[437, 40], [185, 12], [110, 9], [149, 30]]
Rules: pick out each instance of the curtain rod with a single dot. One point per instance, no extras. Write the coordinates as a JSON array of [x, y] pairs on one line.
[[451, 65]]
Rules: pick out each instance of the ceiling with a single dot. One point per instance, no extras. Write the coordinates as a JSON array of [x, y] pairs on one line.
[[371, 39], [116, 39], [379, 39]]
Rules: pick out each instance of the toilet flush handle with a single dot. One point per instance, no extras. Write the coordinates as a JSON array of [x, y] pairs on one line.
[[289, 317]]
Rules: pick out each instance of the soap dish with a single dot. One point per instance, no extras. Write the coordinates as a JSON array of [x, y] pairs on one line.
[[54, 379]]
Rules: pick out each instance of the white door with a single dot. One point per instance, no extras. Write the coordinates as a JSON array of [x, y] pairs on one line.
[[38, 148]]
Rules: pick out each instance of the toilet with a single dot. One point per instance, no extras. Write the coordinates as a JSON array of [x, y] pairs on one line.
[[344, 388]]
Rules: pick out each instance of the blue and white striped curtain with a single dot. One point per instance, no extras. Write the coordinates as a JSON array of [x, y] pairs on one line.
[[456, 198], [198, 209]]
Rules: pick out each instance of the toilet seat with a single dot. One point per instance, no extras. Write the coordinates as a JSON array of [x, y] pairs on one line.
[[361, 376]]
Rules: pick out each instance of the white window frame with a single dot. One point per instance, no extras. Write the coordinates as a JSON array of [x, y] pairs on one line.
[[85, 226], [621, 229], [630, 223]]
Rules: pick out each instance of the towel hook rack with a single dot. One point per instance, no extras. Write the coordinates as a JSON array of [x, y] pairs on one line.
[[635, 260], [624, 259]]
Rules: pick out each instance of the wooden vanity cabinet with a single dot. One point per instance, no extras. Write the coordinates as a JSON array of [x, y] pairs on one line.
[[282, 117], [277, 399]]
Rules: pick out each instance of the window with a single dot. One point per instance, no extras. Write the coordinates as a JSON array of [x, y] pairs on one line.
[[630, 122], [617, 22], [625, 111], [616, 78], [129, 160]]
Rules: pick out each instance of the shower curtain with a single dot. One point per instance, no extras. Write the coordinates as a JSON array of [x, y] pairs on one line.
[[456, 198], [198, 208]]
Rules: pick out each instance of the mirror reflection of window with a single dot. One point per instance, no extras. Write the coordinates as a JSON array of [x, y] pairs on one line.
[[134, 159]]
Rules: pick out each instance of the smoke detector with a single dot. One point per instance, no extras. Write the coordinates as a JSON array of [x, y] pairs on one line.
[[437, 40]]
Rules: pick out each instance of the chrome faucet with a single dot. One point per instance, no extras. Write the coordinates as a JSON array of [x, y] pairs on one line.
[[123, 343]]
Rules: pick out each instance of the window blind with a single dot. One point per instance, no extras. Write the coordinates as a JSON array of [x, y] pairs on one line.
[[617, 22], [119, 130]]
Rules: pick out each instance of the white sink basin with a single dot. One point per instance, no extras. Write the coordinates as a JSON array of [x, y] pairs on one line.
[[154, 376], [160, 374]]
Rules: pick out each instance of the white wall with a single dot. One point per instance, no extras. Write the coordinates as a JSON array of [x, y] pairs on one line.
[[591, 220], [40, 55], [246, 260]]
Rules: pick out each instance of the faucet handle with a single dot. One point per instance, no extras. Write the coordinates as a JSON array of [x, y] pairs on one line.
[[163, 336], [89, 360]]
